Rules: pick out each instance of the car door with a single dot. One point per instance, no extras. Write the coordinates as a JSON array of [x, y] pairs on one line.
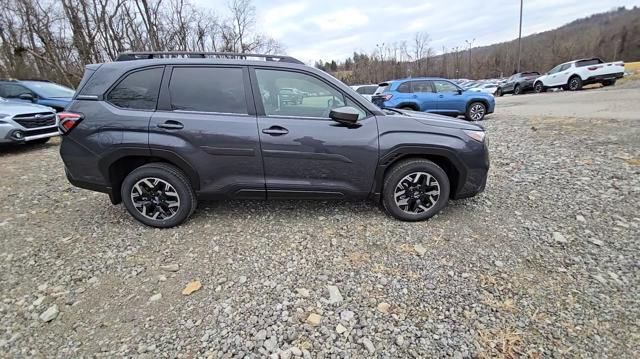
[[305, 153], [206, 117], [450, 100], [509, 85], [562, 76], [423, 91]]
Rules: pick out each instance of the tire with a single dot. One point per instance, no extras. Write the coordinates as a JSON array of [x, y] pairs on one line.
[[400, 176], [574, 83], [516, 90], [407, 108], [166, 174], [499, 92], [538, 87], [608, 83], [39, 141], [476, 111]]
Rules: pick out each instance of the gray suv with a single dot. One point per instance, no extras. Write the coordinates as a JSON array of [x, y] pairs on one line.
[[26, 123], [158, 131]]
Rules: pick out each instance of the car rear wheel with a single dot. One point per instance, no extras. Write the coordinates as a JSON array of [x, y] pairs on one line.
[[158, 195], [516, 90], [609, 83], [476, 111], [415, 190], [575, 83], [539, 87]]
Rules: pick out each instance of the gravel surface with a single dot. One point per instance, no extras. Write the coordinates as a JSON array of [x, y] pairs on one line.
[[545, 263]]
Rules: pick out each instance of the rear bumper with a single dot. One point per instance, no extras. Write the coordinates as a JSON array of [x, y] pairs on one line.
[[605, 77]]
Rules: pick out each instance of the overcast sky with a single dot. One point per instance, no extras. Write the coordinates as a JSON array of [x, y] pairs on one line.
[[313, 30]]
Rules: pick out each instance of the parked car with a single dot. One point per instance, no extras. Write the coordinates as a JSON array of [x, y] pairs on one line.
[[209, 133], [575, 74], [486, 88], [40, 92], [518, 83], [367, 91], [434, 95], [291, 96], [26, 123]]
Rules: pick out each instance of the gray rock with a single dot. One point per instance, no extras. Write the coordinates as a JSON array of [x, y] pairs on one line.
[[50, 314], [420, 249], [559, 238], [271, 344], [334, 295], [368, 345], [346, 315], [170, 268], [156, 297]]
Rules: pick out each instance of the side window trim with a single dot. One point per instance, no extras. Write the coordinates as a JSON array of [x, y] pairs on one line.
[[164, 100], [105, 96], [260, 111]]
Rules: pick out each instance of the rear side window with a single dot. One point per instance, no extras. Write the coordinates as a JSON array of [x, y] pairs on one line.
[[588, 62], [366, 90], [208, 89], [404, 87], [138, 90]]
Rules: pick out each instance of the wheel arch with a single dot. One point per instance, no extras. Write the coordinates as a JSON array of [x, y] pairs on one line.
[[117, 165], [413, 105], [443, 157]]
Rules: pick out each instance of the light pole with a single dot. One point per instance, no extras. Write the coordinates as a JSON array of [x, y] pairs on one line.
[[470, 43], [520, 37]]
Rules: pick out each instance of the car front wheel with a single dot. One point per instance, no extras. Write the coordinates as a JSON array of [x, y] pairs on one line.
[[539, 87], [476, 111], [415, 190], [158, 195], [499, 92], [575, 83], [516, 90]]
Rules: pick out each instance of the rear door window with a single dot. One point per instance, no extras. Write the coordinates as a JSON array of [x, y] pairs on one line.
[[421, 86], [138, 90], [208, 89]]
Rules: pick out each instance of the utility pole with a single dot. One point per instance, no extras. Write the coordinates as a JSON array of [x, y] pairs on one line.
[[520, 37], [470, 43]]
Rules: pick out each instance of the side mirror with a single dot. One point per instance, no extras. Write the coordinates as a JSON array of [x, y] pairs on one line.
[[26, 97], [346, 115], [460, 91]]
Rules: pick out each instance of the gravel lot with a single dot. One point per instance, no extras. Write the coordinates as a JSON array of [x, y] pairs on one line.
[[546, 263]]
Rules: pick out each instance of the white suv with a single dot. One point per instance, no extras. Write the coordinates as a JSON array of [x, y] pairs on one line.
[[575, 74], [26, 123]]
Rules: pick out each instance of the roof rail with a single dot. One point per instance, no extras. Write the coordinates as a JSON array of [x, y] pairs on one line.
[[146, 55]]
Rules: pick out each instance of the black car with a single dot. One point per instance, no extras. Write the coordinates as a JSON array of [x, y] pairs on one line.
[[518, 83], [158, 132]]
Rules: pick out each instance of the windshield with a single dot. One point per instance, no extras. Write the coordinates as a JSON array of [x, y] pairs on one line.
[[48, 89]]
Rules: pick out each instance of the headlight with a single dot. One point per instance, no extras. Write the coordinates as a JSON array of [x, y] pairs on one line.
[[476, 135]]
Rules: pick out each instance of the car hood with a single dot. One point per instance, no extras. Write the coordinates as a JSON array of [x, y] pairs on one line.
[[431, 119], [17, 108]]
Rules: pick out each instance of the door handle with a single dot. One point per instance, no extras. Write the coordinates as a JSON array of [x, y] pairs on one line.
[[441, 96], [275, 131], [415, 96], [171, 125]]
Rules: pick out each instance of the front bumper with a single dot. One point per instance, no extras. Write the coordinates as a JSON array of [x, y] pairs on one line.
[[11, 134]]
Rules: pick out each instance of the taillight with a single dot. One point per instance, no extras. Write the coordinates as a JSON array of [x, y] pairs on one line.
[[67, 121], [387, 96]]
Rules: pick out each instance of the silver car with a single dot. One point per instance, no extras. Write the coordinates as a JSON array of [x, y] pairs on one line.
[[26, 123]]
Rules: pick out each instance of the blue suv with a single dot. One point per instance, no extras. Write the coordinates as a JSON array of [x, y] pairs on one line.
[[434, 95], [41, 92]]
